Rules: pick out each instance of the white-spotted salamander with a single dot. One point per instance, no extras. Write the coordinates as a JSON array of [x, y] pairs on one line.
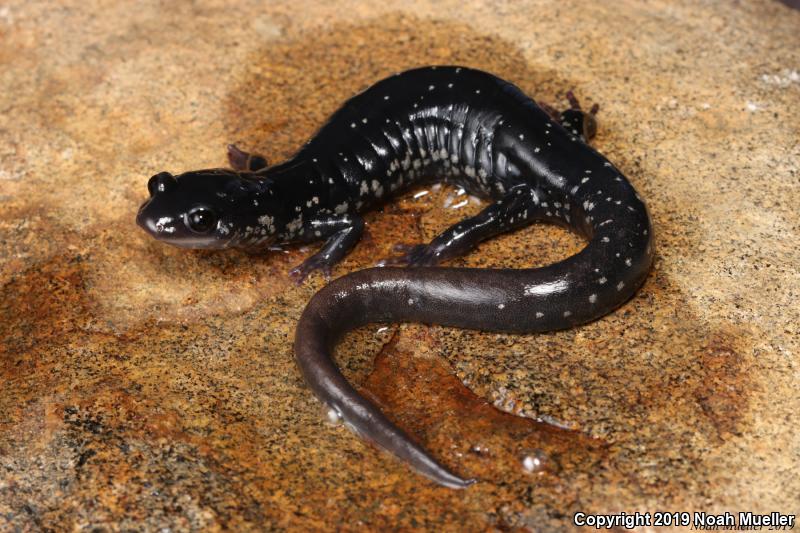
[[456, 124]]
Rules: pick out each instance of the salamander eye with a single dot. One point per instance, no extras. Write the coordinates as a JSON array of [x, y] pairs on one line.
[[160, 183], [201, 220]]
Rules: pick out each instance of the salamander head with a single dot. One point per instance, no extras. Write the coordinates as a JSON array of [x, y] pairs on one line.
[[216, 208]]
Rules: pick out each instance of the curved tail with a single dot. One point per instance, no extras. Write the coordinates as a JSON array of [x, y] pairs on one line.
[[574, 291], [312, 349]]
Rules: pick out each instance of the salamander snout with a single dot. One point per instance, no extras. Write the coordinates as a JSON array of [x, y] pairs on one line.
[[192, 210]]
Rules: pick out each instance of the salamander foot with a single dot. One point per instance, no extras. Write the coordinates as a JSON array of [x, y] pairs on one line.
[[412, 255], [316, 262], [577, 121], [245, 161]]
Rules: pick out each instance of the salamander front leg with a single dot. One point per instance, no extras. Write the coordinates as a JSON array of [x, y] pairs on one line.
[[342, 232], [244, 161], [521, 206]]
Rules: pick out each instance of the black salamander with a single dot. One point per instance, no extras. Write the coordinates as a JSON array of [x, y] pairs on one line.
[[456, 124]]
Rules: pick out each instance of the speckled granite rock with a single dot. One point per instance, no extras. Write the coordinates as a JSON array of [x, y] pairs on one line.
[[146, 387]]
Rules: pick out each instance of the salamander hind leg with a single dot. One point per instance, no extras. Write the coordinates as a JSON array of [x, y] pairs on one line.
[[521, 206], [577, 121], [244, 161]]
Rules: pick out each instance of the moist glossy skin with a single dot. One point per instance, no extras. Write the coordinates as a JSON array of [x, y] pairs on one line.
[[443, 123]]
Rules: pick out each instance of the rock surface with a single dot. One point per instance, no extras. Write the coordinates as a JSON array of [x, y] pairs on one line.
[[148, 387]]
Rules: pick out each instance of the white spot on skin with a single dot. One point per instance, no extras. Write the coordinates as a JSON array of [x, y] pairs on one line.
[[592, 298], [341, 208], [605, 239], [352, 125], [501, 306], [164, 225], [628, 261], [602, 280], [539, 314], [567, 314], [411, 301], [295, 224], [620, 285], [364, 188], [268, 221]]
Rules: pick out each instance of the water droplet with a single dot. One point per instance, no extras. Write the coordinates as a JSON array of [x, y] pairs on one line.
[[534, 461], [332, 415]]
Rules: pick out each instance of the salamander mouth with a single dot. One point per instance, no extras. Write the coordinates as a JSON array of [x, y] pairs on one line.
[[204, 243]]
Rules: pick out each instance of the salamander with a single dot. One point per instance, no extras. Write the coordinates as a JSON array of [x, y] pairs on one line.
[[447, 123]]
